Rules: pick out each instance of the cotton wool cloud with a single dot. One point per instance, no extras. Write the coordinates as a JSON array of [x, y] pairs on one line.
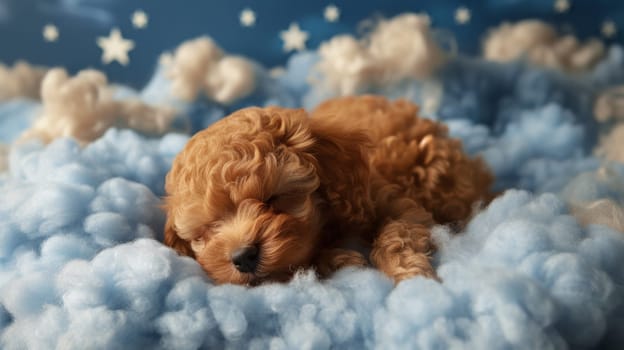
[[611, 146], [533, 127], [199, 66], [118, 153], [601, 212], [539, 43], [399, 48], [608, 72], [20, 80], [83, 107], [609, 105], [524, 273], [202, 84], [609, 109]]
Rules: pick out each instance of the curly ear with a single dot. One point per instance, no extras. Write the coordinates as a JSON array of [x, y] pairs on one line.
[[343, 169], [174, 241]]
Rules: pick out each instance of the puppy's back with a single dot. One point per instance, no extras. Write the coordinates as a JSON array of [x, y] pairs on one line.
[[415, 153]]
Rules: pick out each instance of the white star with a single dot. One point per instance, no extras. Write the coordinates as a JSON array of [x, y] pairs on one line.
[[462, 15], [247, 18], [115, 47], [294, 38], [332, 13], [562, 6], [609, 29], [139, 19], [50, 33]]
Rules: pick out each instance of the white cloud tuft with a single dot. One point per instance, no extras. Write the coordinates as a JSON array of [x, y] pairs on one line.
[[609, 107], [400, 48], [83, 107], [601, 212], [611, 146], [200, 66], [539, 43], [21, 80], [610, 104]]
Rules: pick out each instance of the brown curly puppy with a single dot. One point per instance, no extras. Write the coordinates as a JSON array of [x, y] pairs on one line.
[[267, 191]]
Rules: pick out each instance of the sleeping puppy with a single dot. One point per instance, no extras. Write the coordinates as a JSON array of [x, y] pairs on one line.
[[265, 192]]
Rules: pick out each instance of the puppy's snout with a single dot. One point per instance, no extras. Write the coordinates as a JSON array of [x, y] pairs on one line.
[[245, 259]]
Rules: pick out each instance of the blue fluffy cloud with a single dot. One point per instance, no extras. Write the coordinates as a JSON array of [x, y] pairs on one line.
[[524, 274], [15, 117]]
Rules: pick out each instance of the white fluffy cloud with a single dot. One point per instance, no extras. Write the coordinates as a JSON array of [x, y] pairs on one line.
[[199, 66], [83, 107], [610, 104], [398, 48], [21, 80], [601, 212], [609, 107], [611, 146], [539, 43]]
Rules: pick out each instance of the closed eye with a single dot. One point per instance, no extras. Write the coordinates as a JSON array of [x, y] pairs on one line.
[[271, 200], [210, 229], [275, 202], [198, 244]]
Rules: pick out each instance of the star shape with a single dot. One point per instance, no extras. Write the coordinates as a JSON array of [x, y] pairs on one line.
[[140, 19], [609, 29], [332, 13], [115, 47], [462, 15], [562, 6], [247, 17], [294, 38], [50, 33]]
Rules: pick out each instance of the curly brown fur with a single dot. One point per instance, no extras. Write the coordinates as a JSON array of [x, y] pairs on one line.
[[298, 190]]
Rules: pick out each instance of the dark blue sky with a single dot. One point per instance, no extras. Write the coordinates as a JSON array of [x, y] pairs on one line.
[[80, 22]]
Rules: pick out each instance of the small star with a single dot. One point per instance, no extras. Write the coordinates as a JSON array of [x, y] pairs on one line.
[[609, 29], [294, 38], [139, 19], [332, 13], [562, 6], [50, 33], [462, 15], [115, 47], [247, 18]]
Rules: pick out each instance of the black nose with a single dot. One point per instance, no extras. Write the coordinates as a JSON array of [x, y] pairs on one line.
[[245, 259]]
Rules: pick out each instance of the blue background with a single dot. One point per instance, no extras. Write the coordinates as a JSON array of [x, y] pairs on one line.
[[171, 22]]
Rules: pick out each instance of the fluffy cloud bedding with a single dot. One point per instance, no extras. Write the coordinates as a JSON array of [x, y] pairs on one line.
[[81, 259]]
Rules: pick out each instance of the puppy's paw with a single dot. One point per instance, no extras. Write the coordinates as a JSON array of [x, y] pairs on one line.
[[403, 250], [330, 260], [410, 265]]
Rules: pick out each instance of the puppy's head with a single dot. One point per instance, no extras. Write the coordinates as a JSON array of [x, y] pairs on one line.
[[249, 197]]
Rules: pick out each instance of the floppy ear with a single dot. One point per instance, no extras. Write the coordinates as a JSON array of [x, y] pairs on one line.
[[342, 166], [174, 241]]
